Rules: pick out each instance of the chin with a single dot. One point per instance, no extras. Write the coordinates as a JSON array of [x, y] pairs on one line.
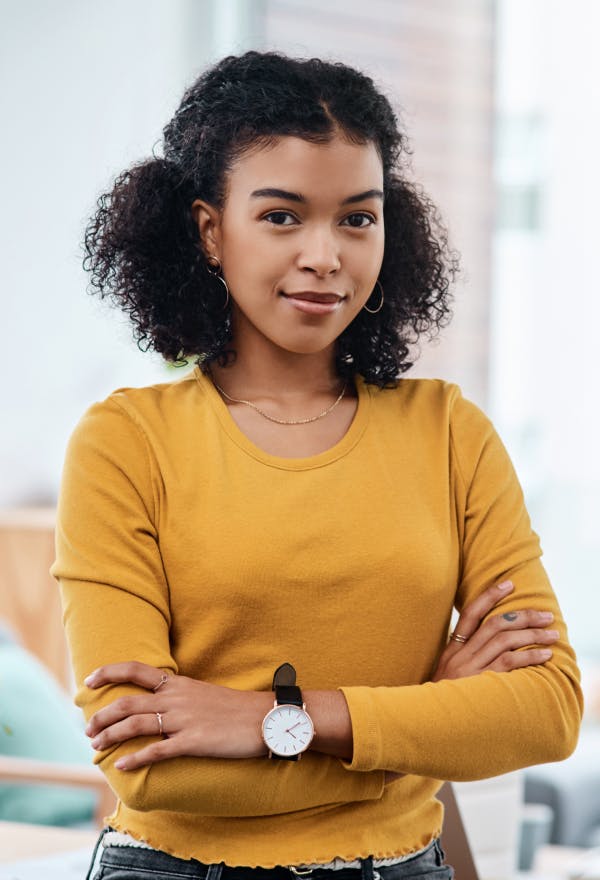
[[309, 346]]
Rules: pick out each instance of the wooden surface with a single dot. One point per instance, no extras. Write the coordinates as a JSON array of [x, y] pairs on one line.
[[30, 770], [20, 841], [29, 596]]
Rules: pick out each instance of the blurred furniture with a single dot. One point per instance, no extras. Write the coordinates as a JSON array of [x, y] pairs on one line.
[[491, 812], [31, 772], [572, 789], [30, 604], [536, 826], [29, 596], [564, 863], [454, 838]]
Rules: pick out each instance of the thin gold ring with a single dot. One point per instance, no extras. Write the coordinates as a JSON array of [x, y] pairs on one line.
[[163, 680], [456, 637], [160, 724]]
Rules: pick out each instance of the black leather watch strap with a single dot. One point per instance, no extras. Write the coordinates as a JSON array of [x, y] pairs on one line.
[[286, 691], [284, 674]]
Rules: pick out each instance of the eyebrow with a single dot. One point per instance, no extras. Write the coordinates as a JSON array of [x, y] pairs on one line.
[[270, 192]]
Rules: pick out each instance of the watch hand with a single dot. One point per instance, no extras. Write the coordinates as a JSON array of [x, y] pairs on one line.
[[289, 730]]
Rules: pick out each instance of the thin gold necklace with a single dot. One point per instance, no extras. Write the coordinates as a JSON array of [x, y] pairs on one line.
[[282, 421]]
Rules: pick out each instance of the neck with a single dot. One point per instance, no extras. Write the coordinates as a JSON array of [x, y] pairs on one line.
[[276, 373]]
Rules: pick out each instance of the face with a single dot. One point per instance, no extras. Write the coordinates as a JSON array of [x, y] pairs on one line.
[[300, 240]]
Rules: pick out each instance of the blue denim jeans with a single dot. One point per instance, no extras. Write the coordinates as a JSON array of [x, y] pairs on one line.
[[134, 863]]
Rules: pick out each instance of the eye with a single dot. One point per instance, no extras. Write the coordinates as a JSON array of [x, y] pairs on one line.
[[359, 220], [280, 218]]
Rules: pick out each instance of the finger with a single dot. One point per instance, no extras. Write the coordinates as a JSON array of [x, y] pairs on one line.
[[136, 725], [122, 708], [526, 618], [152, 754], [472, 614], [519, 659], [132, 672], [505, 642]]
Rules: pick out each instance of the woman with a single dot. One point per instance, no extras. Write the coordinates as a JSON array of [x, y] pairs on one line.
[[292, 506]]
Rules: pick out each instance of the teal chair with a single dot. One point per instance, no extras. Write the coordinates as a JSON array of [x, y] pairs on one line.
[[46, 772]]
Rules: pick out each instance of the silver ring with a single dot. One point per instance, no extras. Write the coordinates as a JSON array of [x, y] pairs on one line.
[[160, 724], [456, 637], [163, 680]]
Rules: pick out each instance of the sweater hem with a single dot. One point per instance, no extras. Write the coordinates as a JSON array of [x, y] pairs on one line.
[[267, 864]]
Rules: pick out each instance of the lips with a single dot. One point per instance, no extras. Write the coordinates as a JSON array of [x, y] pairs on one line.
[[313, 303], [313, 296]]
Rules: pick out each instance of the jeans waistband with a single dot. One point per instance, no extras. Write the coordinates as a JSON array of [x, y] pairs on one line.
[[155, 861]]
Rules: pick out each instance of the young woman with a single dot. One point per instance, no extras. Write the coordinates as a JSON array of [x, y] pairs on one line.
[[293, 507]]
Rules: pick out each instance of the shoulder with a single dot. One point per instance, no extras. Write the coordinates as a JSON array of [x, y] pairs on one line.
[[428, 400], [126, 428], [140, 409], [434, 416], [152, 402], [439, 412]]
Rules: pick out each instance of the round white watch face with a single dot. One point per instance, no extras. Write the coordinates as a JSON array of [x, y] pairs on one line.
[[288, 730]]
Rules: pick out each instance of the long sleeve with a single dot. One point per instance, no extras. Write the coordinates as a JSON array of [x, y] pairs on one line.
[[116, 603], [491, 723]]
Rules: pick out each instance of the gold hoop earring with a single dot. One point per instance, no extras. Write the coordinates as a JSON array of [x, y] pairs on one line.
[[214, 269], [380, 306]]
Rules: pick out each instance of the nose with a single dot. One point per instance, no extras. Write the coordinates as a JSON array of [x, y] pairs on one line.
[[320, 252]]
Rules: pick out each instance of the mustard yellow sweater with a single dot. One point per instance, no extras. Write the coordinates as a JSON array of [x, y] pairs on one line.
[[183, 545]]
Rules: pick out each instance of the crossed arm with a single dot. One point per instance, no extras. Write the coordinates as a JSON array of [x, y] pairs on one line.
[[201, 719]]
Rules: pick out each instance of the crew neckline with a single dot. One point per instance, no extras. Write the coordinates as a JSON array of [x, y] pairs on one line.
[[237, 436]]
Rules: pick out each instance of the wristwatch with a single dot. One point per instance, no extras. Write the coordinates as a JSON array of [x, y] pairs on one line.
[[287, 729]]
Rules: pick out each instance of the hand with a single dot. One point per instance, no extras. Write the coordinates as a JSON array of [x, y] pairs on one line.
[[196, 717], [494, 644]]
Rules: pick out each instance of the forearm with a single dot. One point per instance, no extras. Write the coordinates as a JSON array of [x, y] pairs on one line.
[[466, 729], [226, 771], [501, 643], [248, 787], [333, 726], [214, 761], [331, 718]]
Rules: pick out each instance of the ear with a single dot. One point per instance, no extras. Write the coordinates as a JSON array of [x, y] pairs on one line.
[[208, 220]]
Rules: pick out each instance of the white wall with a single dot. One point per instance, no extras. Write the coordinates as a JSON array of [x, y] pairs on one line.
[[86, 88], [545, 364]]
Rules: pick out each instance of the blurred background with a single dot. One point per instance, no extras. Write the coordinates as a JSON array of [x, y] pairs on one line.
[[501, 102]]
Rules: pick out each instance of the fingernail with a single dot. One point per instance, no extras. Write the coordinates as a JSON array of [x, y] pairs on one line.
[[89, 679], [121, 764], [94, 743], [553, 633], [546, 616], [505, 586], [546, 654]]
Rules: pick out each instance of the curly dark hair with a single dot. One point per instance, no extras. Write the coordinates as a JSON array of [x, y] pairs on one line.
[[143, 247]]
